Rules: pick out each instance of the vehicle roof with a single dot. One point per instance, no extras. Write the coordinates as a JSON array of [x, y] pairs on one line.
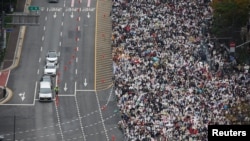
[[51, 51], [50, 64], [46, 77], [45, 84], [52, 54]]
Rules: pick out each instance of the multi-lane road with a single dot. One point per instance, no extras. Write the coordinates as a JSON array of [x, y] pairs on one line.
[[80, 112]]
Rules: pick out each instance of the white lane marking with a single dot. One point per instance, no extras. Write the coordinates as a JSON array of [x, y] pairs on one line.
[[39, 60], [110, 94], [62, 24], [61, 33], [78, 28], [64, 4], [63, 14], [54, 15], [44, 28], [46, 18], [66, 95], [100, 112], [72, 3], [60, 44], [37, 71], [72, 15], [79, 116], [76, 71], [76, 59], [88, 5], [59, 122], [41, 48], [35, 93], [42, 38], [56, 80]]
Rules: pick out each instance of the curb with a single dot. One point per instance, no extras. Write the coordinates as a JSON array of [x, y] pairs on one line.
[[17, 55]]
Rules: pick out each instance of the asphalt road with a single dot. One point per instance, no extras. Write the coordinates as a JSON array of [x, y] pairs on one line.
[[79, 113]]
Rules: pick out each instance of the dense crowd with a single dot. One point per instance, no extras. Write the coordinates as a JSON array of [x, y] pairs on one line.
[[171, 80]]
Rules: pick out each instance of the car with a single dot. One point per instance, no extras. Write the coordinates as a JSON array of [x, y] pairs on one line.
[[45, 91], [47, 78], [52, 57], [50, 69], [53, 1]]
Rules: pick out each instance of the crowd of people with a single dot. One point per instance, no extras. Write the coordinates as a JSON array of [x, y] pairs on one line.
[[171, 81]]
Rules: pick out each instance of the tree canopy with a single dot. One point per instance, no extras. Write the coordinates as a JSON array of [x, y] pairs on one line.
[[229, 15]]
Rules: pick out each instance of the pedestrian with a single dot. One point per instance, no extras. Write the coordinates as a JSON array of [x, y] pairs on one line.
[[4, 91], [56, 89]]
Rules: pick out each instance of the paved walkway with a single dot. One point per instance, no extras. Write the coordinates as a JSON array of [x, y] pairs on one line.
[[13, 53], [103, 45]]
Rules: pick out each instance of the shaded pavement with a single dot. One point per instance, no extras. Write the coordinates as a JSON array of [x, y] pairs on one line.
[[10, 53]]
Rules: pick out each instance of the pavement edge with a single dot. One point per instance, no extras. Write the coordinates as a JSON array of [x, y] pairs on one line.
[[17, 55]]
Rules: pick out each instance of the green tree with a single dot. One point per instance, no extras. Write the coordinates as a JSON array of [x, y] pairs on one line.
[[229, 15]]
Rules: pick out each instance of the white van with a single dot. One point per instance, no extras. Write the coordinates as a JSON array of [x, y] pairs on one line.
[[45, 91]]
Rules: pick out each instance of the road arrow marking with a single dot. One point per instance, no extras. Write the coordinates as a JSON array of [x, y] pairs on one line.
[[42, 8], [72, 15], [54, 15], [65, 87], [88, 15], [22, 95], [85, 82]]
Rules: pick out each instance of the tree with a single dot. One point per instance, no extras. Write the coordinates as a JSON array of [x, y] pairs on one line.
[[229, 15]]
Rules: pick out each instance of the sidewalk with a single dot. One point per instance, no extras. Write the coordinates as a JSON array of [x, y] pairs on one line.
[[103, 45], [9, 58]]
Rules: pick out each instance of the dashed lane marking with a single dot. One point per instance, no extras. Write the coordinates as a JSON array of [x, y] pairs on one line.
[[59, 122], [102, 120], [66, 131], [69, 139], [79, 115]]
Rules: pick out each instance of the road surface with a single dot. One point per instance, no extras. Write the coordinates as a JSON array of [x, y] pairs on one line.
[[79, 112]]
